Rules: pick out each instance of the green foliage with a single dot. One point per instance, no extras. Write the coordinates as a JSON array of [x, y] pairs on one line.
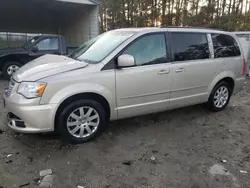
[[231, 15]]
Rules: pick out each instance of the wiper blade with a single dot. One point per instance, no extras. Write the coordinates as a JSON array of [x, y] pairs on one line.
[[77, 59], [72, 57]]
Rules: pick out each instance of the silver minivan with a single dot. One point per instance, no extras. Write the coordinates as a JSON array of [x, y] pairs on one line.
[[124, 73]]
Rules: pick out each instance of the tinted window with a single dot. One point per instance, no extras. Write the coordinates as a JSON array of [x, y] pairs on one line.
[[48, 44], [225, 46], [150, 49], [189, 46]]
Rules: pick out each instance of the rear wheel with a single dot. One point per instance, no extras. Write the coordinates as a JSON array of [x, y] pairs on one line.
[[220, 96], [82, 121], [10, 68]]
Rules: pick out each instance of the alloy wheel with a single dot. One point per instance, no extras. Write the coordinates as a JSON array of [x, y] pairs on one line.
[[221, 97], [83, 122]]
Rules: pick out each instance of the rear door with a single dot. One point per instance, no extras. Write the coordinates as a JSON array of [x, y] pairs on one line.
[[193, 68]]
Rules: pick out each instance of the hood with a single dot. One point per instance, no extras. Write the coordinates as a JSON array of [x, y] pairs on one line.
[[45, 66], [6, 51]]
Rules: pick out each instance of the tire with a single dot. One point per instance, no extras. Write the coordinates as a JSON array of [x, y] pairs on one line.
[[6, 68], [70, 120], [213, 102]]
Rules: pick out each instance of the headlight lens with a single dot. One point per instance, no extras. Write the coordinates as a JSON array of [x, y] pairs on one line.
[[31, 89]]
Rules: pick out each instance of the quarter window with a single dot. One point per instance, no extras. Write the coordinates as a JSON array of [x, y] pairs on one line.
[[148, 50], [189, 46], [225, 46], [48, 44], [246, 36]]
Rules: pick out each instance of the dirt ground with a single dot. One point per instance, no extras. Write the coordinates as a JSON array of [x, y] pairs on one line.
[[183, 148]]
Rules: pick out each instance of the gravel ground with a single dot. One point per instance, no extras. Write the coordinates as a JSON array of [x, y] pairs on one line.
[[183, 148]]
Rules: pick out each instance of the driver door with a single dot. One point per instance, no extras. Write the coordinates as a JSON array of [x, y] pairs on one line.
[[145, 87]]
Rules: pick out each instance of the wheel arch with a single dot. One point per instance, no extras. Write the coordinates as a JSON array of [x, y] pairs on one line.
[[9, 58], [86, 95], [227, 77], [216, 106], [230, 81], [12, 57]]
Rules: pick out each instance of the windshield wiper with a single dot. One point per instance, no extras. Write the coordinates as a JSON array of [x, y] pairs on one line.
[[73, 57], [88, 61], [76, 59]]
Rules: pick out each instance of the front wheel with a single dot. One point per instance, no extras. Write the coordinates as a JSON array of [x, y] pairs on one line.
[[81, 121], [220, 96], [10, 68]]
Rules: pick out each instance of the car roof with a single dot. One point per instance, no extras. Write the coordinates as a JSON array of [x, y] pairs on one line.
[[241, 32], [175, 29]]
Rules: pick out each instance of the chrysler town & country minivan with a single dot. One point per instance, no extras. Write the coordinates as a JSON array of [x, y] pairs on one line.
[[124, 73]]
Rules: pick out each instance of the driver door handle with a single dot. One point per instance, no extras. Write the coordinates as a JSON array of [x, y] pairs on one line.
[[163, 72], [179, 70]]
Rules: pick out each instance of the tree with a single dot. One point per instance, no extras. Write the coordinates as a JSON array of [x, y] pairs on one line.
[[222, 14]]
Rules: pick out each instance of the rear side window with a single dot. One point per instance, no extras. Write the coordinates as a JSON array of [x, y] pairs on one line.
[[225, 46], [189, 46]]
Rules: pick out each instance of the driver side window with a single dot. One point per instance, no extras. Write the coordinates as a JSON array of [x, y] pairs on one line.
[[148, 50], [48, 44]]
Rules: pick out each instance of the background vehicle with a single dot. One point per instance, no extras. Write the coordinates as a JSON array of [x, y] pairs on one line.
[[244, 39], [11, 59], [139, 71]]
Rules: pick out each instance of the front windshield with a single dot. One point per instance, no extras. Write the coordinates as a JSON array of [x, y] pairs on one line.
[[30, 42], [96, 49]]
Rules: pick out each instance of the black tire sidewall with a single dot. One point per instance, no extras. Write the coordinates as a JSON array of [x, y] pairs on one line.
[[211, 98], [62, 123], [5, 67]]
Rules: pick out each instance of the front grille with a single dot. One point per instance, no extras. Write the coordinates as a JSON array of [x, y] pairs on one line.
[[10, 87]]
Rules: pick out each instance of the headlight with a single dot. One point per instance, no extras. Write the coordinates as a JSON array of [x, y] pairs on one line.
[[31, 89]]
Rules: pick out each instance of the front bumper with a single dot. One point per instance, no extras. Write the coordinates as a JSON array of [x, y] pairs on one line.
[[27, 116]]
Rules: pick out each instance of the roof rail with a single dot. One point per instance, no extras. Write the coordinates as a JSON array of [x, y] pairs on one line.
[[97, 2], [188, 27]]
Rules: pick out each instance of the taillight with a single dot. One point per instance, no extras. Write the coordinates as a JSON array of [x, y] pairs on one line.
[[244, 68]]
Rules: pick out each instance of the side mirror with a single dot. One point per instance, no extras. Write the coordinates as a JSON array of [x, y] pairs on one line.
[[126, 61], [34, 49]]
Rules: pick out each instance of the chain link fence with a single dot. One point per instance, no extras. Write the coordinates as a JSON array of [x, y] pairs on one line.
[[8, 40]]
